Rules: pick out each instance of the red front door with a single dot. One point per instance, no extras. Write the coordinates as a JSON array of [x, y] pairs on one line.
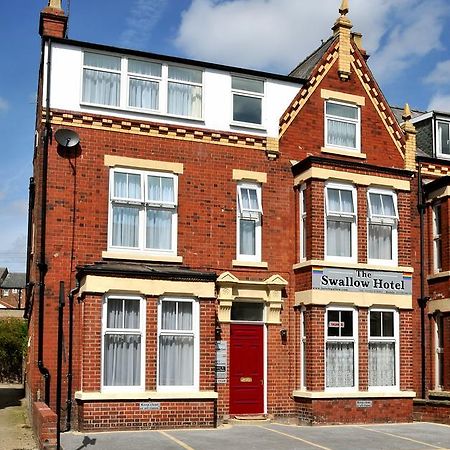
[[246, 369]]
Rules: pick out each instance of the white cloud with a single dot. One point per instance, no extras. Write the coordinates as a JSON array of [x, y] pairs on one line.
[[440, 75], [4, 105], [276, 34], [440, 102], [143, 17]]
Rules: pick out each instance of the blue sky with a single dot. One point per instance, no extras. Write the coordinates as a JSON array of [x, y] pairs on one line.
[[408, 41]]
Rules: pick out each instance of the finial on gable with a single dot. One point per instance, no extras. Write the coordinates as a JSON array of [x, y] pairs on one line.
[[344, 8], [406, 116]]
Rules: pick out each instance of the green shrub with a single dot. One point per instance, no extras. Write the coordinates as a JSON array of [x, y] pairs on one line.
[[13, 341]]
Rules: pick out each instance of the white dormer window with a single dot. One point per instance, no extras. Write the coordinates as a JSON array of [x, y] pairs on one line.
[[382, 226], [443, 139], [249, 222], [248, 96], [342, 125], [340, 211]]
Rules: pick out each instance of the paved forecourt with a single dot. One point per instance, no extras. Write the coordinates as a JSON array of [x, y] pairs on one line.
[[271, 436]]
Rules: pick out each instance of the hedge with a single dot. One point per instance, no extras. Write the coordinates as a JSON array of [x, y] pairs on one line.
[[13, 342]]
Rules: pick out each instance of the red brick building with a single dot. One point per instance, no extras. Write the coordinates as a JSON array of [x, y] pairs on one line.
[[254, 259]]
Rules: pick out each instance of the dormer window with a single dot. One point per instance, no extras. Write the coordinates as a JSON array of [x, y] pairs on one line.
[[247, 100], [342, 125], [443, 139]]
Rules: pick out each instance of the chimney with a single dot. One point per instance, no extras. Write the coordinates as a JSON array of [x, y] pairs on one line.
[[410, 134], [342, 29], [53, 21]]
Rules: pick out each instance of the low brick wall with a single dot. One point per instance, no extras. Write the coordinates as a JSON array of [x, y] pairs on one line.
[[432, 411], [44, 424]]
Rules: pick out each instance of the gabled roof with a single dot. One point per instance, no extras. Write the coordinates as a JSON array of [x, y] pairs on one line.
[[305, 68], [3, 273], [14, 281]]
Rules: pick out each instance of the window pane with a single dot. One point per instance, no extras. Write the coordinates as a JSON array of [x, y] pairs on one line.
[[341, 133], [185, 100], [159, 229], [122, 360], [247, 237], [339, 238], [348, 112], [161, 189], [333, 198], [375, 323], [247, 84], [144, 68], [176, 360], [131, 319], [102, 61], [347, 320], [143, 94], [184, 74], [168, 315], [443, 131], [381, 364], [114, 317], [247, 109], [102, 88], [380, 242], [125, 227], [347, 201], [184, 316], [388, 324], [375, 204], [340, 364], [167, 193], [388, 205], [333, 323], [127, 185], [247, 311]]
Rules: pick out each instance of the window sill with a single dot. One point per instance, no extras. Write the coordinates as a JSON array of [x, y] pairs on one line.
[[339, 151], [438, 275], [353, 394], [145, 395], [239, 263], [250, 126], [137, 256]]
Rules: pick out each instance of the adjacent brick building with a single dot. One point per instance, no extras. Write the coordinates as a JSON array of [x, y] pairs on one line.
[[229, 243]]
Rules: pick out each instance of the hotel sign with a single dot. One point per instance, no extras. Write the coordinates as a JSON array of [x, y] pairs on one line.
[[357, 280]]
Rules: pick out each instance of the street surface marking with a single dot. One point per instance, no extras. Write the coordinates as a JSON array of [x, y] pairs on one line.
[[295, 437], [174, 439], [401, 437]]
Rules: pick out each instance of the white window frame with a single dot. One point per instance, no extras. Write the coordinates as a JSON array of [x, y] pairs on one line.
[[195, 333], [395, 339], [124, 82], [143, 204], [247, 93], [356, 122], [140, 331], [303, 218], [143, 77], [383, 220], [344, 217], [353, 339], [439, 151], [249, 214], [437, 237], [438, 350]]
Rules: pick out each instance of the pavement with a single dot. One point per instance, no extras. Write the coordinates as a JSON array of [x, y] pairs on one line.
[[15, 432], [271, 436]]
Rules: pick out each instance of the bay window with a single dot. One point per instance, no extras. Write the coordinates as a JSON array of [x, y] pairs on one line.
[[342, 125], [341, 348], [443, 139], [382, 226], [383, 348], [123, 342], [340, 227], [302, 223], [248, 96], [143, 211], [178, 343], [249, 214]]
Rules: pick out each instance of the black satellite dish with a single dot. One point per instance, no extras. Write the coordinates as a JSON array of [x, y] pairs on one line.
[[67, 138]]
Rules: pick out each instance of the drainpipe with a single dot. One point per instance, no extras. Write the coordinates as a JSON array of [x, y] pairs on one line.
[[422, 300], [28, 285], [42, 265], [61, 305], [70, 360]]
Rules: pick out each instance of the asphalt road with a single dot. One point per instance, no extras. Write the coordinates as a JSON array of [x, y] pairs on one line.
[[271, 436]]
